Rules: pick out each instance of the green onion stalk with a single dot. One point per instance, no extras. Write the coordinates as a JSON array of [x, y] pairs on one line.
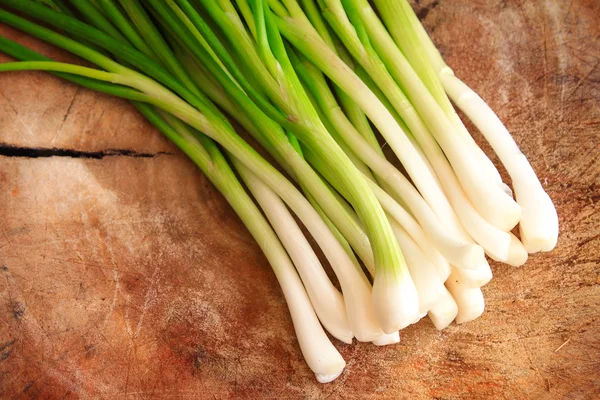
[[414, 52], [217, 94], [356, 37], [356, 121], [315, 82], [539, 221], [422, 270], [499, 244], [418, 108], [356, 288], [426, 275], [298, 30], [319, 353], [300, 33], [351, 110], [274, 138], [394, 297]]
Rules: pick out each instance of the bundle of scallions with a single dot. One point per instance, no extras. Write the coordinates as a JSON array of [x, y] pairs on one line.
[[312, 81]]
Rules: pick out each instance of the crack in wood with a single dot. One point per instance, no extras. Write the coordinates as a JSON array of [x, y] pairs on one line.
[[40, 152]]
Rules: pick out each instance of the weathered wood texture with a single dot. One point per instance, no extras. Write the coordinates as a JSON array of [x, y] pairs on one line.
[[130, 277]]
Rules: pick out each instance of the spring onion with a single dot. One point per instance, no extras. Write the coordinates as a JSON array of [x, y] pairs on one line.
[[313, 83]]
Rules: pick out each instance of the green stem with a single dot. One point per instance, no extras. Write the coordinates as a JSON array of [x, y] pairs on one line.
[[53, 66]]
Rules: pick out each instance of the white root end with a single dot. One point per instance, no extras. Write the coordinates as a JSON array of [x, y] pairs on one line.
[[539, 223], [327, 301], [363, 320], [395, 301], [473, 278], [469, 300], [388, 338], [505, 215], [517, 253], [326, 378], [444, 311], [419, 317], [494, 241], [318, 351], [422, 272], [539, 220]]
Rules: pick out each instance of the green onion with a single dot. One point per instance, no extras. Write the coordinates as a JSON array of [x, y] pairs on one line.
[[444, 311], [489, 200], [495, 241], [306, 79], [279, 81], [539, 221], [306, 40], [399, 18], [272, 137], [469, 300]]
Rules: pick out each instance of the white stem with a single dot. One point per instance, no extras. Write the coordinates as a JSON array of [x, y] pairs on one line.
[[325, 298], [469, 300], [539, 220], [355, 286], [496, 242], [487, 164], [441, 265], [517, 253], [424, 157], [320, 355], [423, 273], [474, 278], [388, 338], [462, 254], [395, 300], [444, 311]]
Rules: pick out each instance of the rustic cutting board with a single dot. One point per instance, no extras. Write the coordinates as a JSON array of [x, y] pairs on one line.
[[125, 274]]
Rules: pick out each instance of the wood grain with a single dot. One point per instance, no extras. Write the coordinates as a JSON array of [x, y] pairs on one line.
[[130, 277]]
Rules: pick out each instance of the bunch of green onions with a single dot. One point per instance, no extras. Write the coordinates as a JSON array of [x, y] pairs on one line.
[[312, 81]]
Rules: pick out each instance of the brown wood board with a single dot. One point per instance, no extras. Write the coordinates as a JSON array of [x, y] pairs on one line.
[[125, 274]]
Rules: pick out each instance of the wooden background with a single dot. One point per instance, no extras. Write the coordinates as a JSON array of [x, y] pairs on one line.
[[124, 273]]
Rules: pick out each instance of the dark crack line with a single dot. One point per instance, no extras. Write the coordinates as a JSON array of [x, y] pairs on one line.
[[37, 152]]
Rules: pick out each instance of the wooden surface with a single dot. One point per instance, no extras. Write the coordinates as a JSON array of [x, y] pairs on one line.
[[124, 274]]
